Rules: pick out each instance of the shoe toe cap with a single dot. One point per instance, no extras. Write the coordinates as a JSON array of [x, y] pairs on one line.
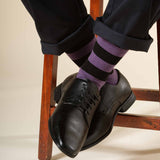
[[68, 131]]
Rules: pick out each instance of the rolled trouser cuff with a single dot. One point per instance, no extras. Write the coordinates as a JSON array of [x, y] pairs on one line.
[[79, 38], [121, 40]]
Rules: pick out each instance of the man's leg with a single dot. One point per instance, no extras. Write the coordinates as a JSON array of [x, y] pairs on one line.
[[124, 25], [74, 92], [63, 26]]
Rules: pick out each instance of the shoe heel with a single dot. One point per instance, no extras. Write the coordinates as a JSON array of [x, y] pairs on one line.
[[128, 103], [57, 93]]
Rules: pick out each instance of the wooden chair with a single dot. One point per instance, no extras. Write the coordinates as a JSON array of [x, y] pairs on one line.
[[123, 120]]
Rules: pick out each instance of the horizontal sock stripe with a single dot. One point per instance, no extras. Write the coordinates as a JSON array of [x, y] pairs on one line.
[[91, 69], [84, 75], [111, 48], [82, 51], [80, 61], [100, 63], [106, 56]]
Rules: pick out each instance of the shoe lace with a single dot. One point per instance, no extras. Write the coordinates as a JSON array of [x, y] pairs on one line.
[[84, 99], [87, 100]]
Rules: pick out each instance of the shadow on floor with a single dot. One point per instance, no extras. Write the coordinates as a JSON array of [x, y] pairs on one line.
[[58, 156], [102, 148]]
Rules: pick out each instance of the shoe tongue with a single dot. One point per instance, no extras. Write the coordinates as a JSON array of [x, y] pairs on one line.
[[79, 89], [76, 88]]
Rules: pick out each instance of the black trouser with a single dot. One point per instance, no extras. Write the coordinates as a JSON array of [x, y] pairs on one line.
[[65, 25]]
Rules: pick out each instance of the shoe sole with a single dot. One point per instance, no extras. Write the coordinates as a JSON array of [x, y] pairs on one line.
[[122, 108]]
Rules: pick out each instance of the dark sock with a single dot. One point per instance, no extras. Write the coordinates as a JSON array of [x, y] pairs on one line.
[[83, 53], [99, 67]]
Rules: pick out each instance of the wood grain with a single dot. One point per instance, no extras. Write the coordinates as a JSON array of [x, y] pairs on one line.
[[45, 141], [146, 94], [138, 121], [96, 8]]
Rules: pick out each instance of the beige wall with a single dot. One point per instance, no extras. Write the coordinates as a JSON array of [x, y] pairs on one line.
[[21, 64]]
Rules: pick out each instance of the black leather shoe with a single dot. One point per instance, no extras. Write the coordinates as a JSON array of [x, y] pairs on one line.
[[70, 122], [114, 99]]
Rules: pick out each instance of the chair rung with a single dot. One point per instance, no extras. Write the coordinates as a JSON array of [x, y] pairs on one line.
[[138, 121], [135, 121], [146, 94]]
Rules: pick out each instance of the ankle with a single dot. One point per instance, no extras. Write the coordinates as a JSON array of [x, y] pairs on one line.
[[113, 78], [86, 76]]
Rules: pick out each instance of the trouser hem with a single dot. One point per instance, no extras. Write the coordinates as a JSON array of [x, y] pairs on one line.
[[120, 40], [81, 36]]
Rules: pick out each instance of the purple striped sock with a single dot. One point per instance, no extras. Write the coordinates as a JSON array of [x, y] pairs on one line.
[[83, 53], [114, 50], [99, 67]]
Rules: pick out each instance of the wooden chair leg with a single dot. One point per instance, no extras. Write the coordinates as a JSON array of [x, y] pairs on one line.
[[96, 8], [45, 141]]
